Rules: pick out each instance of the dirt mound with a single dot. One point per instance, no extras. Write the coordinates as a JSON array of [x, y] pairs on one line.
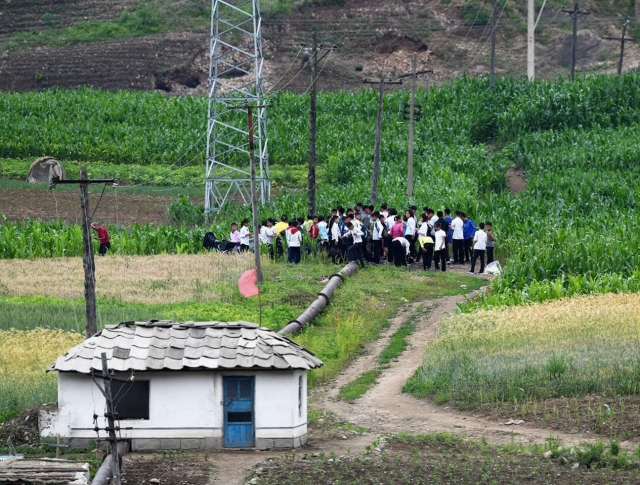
[[22, 430], [515, 179]]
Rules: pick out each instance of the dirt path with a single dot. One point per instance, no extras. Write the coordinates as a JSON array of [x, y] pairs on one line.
[[385, 409]]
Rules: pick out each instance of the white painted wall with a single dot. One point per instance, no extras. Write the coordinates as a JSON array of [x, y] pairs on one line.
[[182, 404]]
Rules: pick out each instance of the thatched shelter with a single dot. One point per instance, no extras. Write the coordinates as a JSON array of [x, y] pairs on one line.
[[44, 169]]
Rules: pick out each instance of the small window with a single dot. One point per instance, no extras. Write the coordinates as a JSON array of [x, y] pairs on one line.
[[300, 396], [239, 417], [246, 388], [130, 399]]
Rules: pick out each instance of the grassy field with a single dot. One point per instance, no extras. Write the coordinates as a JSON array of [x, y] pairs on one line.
[[449, 459], [182, 288], [522, 357]]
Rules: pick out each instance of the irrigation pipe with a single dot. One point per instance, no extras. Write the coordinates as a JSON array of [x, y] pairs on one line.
[[320, 303], [105, 472]]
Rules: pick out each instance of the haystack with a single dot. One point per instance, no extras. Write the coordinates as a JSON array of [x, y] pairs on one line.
[[44, 169]]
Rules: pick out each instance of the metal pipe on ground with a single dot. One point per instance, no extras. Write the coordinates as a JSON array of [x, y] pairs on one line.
[[105, 472], [320, 303]]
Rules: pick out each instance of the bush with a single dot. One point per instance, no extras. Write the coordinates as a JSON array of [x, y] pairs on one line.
[[183, 212]]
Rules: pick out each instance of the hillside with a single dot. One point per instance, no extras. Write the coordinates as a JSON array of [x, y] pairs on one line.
[[158, 44]]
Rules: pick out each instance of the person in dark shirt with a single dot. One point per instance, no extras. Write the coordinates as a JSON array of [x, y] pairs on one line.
[[103, 238]]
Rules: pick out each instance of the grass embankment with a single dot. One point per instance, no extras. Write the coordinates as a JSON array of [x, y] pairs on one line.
[[522, 357], [359, 310], [449, 459]]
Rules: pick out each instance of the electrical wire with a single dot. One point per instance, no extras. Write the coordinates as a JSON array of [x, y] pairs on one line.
[[466, 36], [495, 26], [98, 204], [478, 43], [320, 72], [288, 68]]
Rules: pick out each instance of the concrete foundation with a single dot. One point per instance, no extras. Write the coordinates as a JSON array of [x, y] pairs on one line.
[[156, 444]]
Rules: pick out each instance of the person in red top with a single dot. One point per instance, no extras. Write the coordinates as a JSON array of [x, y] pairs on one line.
[[103, 238], [397, 230]]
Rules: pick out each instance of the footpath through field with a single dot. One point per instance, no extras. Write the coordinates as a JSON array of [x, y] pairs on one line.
[[385, 409]]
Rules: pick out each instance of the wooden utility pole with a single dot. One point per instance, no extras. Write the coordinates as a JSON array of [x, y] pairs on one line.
[[494, 31], [87, 255], [87, 258], [311, 201], [574, 37], [622, 40], [254, 201], [531, 40], [113, 439], [412, 119], [376, 154]]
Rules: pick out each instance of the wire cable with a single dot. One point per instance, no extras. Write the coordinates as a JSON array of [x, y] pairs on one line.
[[288, 69], [466, 36], [488, 38]]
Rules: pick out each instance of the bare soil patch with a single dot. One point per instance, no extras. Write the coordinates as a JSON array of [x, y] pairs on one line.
[[434, 460], [609, 417], [19, 204], [516, 181], [178, 469]]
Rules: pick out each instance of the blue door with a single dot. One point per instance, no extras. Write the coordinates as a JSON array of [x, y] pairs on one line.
[[238, 412]]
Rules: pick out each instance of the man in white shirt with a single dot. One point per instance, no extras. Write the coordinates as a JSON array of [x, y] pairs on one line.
[[266, 235], [400, 247], [377, 225], [355, 250], [457, 227], [440, 253], [410, 232], [479, 247], [245, 233]]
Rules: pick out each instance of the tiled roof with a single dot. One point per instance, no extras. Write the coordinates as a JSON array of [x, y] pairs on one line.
[[160, 345]]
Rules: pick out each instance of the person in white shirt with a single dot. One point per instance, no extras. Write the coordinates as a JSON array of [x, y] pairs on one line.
[[265, 236], [432, 221], [355, 250], [245, 233], [457, 227], [377, 224], [410, 232], [440, 253], [294, 241], [400, 247], [479, 247]]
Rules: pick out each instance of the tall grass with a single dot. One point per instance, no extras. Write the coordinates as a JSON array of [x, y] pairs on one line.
[[572, 347]]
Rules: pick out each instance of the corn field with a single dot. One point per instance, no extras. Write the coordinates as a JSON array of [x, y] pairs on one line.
[[568, 233]]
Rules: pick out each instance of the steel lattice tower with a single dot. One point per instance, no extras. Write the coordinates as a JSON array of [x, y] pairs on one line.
[[236, 79]]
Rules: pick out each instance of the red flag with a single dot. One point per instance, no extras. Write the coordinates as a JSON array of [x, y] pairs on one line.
[[247, 283]]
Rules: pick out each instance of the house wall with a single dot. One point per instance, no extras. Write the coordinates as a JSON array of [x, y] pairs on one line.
[[185, 410]]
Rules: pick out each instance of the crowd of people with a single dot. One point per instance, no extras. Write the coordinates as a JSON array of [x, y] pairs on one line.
[[364, 233]]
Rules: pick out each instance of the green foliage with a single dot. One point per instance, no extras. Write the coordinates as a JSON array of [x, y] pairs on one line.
[[360, 386], [148, 17], [182, 212]]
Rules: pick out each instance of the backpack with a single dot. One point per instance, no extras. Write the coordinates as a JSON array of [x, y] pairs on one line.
[[209, 241], [385, 231]]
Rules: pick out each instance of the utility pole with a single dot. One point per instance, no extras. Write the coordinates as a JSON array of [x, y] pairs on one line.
[[113, 439], [494, 30], [87, 255], [376, 154], [531, 40], [574, 37], [311, 201], [622, 40], [254, 200], [413, 117]]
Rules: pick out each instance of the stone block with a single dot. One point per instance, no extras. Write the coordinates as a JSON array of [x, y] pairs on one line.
[[283, 442], [265, 443], [213, 443], [191, 443], [303, 440], [142, 444], [170, 444]]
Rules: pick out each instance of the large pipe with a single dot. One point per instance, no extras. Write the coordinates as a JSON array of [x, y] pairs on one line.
[[105, 472], [319, 304]]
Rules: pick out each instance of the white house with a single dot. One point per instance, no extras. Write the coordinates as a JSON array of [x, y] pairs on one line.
[[195, 385]]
